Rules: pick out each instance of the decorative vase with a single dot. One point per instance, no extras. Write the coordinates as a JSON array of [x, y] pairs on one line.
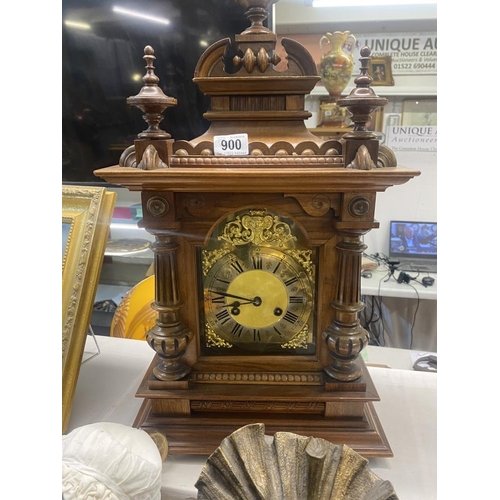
[[336, 65], [336, 68]]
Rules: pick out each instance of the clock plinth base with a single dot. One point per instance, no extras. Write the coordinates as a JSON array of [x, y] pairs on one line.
[[202, 434], [196, 417]]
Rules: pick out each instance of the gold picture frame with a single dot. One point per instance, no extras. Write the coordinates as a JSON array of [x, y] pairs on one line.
[[380, 69], [86, 216]]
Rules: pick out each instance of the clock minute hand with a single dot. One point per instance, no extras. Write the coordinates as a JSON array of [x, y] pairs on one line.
[[256, 301]]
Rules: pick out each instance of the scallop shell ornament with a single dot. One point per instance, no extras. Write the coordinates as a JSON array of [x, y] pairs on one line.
[[248, 465]]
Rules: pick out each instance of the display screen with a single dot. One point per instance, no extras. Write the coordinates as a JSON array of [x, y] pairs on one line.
[[102, 64], [413, 238]]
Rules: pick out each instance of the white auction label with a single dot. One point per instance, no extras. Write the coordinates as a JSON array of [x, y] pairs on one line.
[[234, 144]]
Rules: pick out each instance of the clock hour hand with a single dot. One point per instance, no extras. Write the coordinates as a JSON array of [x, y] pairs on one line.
[[256, 301], [237, 303]]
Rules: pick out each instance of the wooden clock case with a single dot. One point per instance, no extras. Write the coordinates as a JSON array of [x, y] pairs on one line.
[[327, 188]]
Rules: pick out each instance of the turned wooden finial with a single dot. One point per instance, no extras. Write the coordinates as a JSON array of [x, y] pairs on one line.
[[256, 12], [362, 100], [257, 43], [151, 100], [364, 79]]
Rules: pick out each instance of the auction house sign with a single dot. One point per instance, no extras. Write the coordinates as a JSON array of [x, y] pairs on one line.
[[412, 138], [410, 52]]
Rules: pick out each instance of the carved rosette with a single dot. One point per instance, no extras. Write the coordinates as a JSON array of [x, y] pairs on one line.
[[157, 206]]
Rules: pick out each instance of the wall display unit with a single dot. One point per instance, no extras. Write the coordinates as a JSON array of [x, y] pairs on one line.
[[86, 214], [258, 228]]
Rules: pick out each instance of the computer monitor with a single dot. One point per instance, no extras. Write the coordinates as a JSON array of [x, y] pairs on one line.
[[413, 240]]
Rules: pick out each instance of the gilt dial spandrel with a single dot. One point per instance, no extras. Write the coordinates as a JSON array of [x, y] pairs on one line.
[[258, 287]]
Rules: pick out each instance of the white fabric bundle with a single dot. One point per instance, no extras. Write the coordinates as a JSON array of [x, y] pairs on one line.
[[108, 461]]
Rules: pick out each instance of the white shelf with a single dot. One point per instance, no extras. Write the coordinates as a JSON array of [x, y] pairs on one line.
[[405, 87], [389, 91]]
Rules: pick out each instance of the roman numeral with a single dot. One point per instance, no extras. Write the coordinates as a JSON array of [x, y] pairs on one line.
[[223, 316], [295, 299], [257, 261], [256, 335], [237, 266], [291, 281], [277, 331], [237, 329], [290, 317], [222, 281], [275, 270], [218, 300]]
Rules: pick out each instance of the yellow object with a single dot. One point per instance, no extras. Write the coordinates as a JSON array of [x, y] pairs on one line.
[[134, 316], [336, 65]]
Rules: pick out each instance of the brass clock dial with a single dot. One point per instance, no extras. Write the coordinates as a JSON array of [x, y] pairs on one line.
[[258, 297]]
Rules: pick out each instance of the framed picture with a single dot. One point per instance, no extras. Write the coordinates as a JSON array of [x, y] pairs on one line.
[[376, 123], [420, 112], [380, 69], [86, 216]]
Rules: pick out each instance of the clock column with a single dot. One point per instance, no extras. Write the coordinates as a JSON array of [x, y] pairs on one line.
[[345, 337], [152, 150], [169, 337]]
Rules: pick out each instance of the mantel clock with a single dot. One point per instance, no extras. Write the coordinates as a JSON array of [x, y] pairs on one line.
[[258, 253]]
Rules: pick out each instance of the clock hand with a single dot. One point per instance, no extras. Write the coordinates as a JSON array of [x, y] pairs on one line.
[[235, 306], [256, 301], [236, 303]]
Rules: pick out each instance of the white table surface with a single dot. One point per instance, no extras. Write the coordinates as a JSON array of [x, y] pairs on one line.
[[106, 392], [382, 284]]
